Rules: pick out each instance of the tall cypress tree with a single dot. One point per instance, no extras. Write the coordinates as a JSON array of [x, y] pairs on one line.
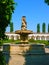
[[38, 28], [11, 26], [48, 28], [43, 27]]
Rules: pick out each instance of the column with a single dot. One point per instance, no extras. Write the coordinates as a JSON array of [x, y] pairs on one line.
[[35, 38], [45, 38], [15, 38], [40, 38], [10, 37]]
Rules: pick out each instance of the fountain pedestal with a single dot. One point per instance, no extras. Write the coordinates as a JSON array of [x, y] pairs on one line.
[[23, 35]]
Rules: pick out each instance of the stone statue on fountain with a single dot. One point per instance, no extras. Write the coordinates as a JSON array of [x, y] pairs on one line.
[[24, 24]]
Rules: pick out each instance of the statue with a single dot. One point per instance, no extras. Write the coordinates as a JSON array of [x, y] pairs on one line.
[[24, 24]]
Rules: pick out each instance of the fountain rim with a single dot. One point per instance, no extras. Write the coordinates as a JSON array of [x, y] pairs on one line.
[[23, 32]]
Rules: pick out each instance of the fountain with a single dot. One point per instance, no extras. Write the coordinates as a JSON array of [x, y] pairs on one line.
[[33, 47], [23, 32], [24, 53]]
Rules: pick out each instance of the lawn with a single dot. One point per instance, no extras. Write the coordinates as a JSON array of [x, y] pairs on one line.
[[46, 42], [9, 41], [30, 41]]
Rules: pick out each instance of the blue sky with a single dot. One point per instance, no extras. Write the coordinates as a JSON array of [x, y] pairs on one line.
[[36, 11]]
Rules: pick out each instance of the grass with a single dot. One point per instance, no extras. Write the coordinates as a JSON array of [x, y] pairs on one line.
[[9, 41], [39, 41], [30, 41]]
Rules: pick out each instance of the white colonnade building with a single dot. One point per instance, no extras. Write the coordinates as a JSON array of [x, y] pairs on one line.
[[35, 36]]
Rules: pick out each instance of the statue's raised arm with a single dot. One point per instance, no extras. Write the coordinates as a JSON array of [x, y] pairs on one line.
[[24, 24]]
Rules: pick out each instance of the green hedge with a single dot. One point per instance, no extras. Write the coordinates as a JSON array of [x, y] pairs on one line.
[[9, 41], [39, 41], [30, 41]]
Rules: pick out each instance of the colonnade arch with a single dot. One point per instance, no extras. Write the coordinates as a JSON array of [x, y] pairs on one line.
[[36, 36]]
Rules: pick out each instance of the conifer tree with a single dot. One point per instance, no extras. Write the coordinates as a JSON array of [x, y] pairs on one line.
[[48, 28], [38, 28], [43, 27], [11, 26]]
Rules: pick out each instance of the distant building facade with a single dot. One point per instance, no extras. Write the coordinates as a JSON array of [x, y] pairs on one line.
[[35, 36]]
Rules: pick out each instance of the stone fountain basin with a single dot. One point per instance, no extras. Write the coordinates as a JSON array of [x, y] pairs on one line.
[[20, 54], [24, 48], [23, 31]]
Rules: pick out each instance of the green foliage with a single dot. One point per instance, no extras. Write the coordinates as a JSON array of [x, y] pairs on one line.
[[9, 41], [11, 26], [43, 27], [39, 41], [31, 40], [2, 59], [48, 28], [46, 42], [6, 9], [47, 1], [38, 28]]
